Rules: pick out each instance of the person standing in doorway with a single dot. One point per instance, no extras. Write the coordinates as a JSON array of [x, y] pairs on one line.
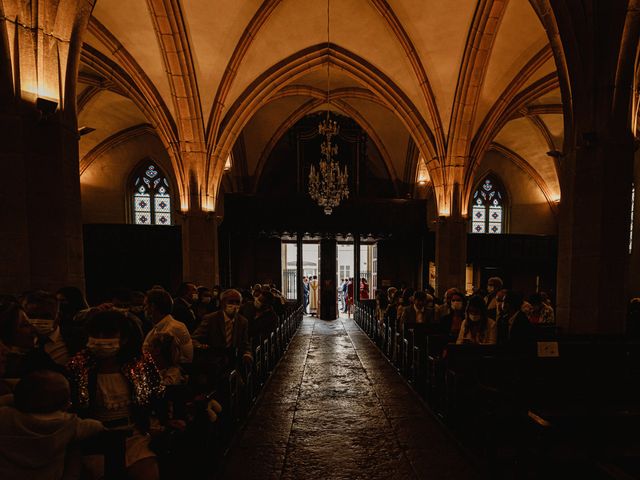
[[305, 294], [313, 295]]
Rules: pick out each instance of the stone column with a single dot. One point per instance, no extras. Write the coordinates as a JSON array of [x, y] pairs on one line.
[[593, 253], [451, 253], [328, 289], [41, 240], [356, 268], [596, 170], [299, 268], [40, 215], [200, 248]]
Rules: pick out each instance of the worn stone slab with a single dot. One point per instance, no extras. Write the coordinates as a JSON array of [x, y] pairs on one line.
[[336, 409]]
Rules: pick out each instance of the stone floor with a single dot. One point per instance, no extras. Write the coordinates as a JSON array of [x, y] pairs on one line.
[[335, 409]]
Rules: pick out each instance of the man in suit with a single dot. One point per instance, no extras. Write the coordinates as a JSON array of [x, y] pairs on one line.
[[182, 311], [226, 328], [513, 327], [421, 312]]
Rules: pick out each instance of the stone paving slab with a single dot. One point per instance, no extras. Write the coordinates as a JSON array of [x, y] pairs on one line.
[[335, 409]]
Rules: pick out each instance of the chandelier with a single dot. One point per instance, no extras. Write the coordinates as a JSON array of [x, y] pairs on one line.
[[328, 185]]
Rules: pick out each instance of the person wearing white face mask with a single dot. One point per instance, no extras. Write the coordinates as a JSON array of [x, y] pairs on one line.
[[114, 382], [42, 309], [452, 321], [226, 329], [494, 285], [186, 296], [477, 328]]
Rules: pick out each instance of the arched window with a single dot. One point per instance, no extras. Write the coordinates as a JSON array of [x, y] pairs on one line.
[[487, 207], [151, 199]]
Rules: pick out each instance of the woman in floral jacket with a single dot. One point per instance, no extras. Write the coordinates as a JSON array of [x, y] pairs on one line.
[[114, 382]]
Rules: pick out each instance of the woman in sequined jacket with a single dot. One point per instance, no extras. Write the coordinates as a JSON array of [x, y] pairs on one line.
[[114, 382]]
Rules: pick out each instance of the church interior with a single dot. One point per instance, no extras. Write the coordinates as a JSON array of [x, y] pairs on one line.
[[336, 238]]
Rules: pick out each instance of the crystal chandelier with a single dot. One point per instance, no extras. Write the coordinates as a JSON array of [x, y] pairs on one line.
[[328, 185]]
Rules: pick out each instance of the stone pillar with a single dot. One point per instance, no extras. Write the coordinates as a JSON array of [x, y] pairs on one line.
[[593, 253], [299, 268], [328, 288], [356, 268], [596, 170], [200, 249], [451, 253], [41, 240], [40, 215]]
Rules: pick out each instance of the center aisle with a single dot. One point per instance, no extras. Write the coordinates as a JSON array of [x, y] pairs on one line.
[[335, 408]]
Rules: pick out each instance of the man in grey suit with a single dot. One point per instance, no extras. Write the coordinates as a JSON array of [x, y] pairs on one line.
[[226, 328]]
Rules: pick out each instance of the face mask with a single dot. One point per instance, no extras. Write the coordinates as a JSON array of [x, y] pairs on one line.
[[103, 347], [194, 297], [257, 303], [457, 305], [42, 326], [490, 288], [231, 309], [206, 299], [475, 318]]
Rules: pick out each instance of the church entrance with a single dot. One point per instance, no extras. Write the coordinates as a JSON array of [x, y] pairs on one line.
[[328, 287]]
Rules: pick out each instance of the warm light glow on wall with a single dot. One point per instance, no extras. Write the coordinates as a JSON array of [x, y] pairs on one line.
[[555, 198], [31, 92], [184, 203], [208, 203], [423, 172], [227, 163]]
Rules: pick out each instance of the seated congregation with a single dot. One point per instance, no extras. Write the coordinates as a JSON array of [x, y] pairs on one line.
[[145, 386], [526, 399]]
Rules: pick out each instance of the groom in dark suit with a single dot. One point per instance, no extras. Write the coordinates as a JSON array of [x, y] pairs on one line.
[[226, 328]]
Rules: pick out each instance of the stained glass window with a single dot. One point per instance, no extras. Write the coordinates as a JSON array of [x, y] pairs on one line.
[[487, 208], [151, 198]]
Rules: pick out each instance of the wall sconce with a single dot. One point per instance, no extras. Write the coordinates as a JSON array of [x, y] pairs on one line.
[[46, 107], [85, 130]]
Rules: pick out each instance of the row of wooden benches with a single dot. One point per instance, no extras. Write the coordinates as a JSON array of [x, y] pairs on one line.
[[214, 374], [568, 391]]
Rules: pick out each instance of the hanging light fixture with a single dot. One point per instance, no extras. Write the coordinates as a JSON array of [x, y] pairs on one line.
[[328, 185]]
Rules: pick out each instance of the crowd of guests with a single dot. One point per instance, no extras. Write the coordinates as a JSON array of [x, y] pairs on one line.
[[495, 316], [69, 372]]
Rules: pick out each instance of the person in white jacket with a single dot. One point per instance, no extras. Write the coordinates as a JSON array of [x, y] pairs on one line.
[[36, 431]]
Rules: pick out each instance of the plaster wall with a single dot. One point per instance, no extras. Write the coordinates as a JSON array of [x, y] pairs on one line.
[[104, 184], [528, 211]]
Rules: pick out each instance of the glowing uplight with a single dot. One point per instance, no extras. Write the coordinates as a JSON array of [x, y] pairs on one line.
[[208, 203], [227, 163], [555, 198], [423, 172]]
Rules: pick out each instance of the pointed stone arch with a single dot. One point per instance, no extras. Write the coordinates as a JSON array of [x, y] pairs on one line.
[[286, 72]]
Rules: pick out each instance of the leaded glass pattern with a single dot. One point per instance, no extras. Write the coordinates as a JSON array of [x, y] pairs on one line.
[[487, 208], [151, 198]]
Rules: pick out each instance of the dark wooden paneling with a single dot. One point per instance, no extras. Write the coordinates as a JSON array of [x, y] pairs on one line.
[[131, 256]]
